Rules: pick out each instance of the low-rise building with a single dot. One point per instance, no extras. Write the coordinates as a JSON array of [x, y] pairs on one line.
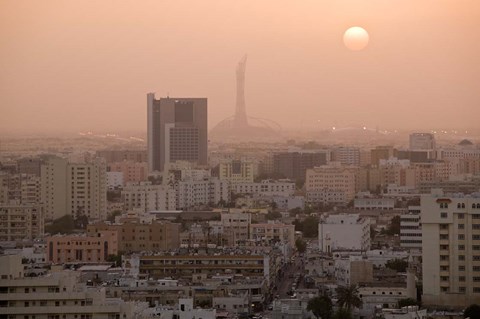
[[344, 232], [273, 231], [57, 295], [135, 236], [81, 248], [283, 187]]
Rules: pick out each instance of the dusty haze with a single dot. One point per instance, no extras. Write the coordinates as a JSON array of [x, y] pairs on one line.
[[87, 65]]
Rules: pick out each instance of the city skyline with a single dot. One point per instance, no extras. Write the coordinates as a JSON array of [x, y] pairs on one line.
[[420, 60]]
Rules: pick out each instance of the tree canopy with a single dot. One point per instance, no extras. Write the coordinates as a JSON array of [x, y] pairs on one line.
[[321, 307], [309, 226], [348, 297], [301, 245], [407, 302], [62, 225], [399, 265], [472, 312]]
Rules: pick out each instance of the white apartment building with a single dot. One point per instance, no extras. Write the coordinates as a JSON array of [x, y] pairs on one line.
[[146, 197], [370, 203], [450, 249], [114, 180], [332, 183], [74, 188], [347, 155], [21, 221], [236, 171], [192, 193], [344, 232], [283, 187], [411, 229], [422, 141], [57, 295]]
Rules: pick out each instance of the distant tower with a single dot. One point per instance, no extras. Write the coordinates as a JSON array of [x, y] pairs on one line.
[[240, 118]]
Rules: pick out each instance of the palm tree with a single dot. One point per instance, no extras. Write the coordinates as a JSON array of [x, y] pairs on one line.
[[348, 297]]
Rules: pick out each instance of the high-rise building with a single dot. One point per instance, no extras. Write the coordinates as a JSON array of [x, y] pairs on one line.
[[347, 155], [177, 131], [450, 249], [293, 165], [422, 141], [74, 188]]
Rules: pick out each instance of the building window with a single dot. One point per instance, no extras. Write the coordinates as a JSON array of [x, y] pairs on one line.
[[443, 215], [461, 247], [461, 226], [461, 278], [461, 268], [461, 257], [461, 237]]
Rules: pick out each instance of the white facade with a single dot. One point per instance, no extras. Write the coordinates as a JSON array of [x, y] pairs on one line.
[[289, 202], [411, 229], [191, 193], [146, 197], [422, 141], [344, 232], [451, 249], [114, 180], [58, 295], [266, 187], [347, 155], [369, 203]]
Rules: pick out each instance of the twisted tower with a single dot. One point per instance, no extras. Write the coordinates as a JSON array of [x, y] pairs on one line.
[[240, 117]]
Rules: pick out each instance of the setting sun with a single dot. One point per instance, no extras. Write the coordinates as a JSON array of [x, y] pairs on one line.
[[355, 38]]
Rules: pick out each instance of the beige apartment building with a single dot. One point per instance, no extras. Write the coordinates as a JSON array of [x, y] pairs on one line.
[[80, 248], [133, 172], [55, 296], [21, 221], [236, 171], [332, 183], [134, 236], [273, 231], [450, 249], [74, 188]]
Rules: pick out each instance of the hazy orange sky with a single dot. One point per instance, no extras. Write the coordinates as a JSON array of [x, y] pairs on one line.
[[88, 65]]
